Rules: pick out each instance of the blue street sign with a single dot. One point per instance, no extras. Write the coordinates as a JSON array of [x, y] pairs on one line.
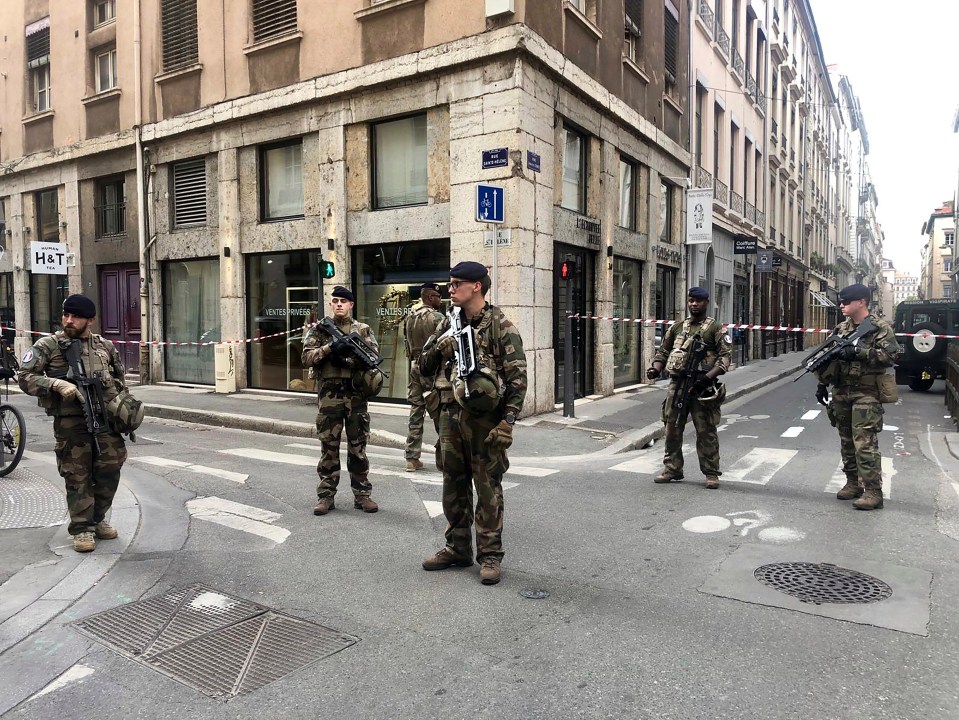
[[495, 158], [490, 200], [532, 160]]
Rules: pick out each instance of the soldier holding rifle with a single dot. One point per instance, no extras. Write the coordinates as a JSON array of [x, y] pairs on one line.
[[694, 353], [855, 361], [342, 352], [89, 452]]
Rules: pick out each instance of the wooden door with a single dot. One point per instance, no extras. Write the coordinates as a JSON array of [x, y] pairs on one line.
[[119, 311]]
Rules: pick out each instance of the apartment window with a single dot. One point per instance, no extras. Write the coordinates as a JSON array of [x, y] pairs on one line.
[[38, 63], [947, 266], [700, 107], [671, 44], [399, 163], [273, 18], [574, 170], [189, 193], [734, 28], [106, 70], [717, 124], [950, 237], [733, 145], [179, 33], [104, 11], [747, 159], [281, 181], [665, 213], [110, 207], [627, 194], [634, 28], [720, 13], [947, 290]]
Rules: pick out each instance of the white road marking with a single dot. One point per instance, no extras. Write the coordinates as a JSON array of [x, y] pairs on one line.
[[202, 469], [955, 486], [530, 471], [793, 432], [645, 464], [74, 674], [888, 471], [270, 456], [218, 504], [706, 524], [781, 535], [811, 415], [758, 465], [47, 457], [238, 516], [752, 437], [837, 480], [433, 508]]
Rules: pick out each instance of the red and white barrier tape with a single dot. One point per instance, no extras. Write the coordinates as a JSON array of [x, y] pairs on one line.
[[744, 326], [174, 344]]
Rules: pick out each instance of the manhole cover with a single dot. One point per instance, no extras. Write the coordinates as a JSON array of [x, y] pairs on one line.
[[218, 644], [29, 501], [819, 583]]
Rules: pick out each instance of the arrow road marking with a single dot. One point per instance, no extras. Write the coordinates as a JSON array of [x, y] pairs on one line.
[[245, 518]]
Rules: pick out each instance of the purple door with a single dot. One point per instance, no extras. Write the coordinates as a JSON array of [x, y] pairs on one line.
[[120, 310]]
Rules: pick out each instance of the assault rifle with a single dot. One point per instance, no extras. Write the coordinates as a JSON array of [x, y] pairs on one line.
[[687, 381], [465, 350], [829, 350], [91, 392], [351, 346]]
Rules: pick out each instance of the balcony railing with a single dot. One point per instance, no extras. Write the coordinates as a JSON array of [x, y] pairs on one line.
[[762, 101], [772, 235], [738, 66], [751, 213], [737, 202], [760, 218], [704, 178], [706, 14], [751, 86], [720, 191], [111, 219], [775, 135], [722, 38], [782, 239]]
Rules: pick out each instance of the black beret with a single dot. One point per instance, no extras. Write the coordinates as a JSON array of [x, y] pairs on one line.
[[341, 292], [79, 305], [430, 286], [698, 293], [854, 292], [469, 270]]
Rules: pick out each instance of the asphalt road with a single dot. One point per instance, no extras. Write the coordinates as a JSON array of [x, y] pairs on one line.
[[651, 608]]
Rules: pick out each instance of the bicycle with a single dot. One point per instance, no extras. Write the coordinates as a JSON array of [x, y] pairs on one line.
[[13, 429]]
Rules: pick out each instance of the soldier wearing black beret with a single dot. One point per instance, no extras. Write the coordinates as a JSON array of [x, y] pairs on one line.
[[421, 322]]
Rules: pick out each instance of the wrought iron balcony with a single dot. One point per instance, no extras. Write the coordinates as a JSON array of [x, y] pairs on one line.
[[751, 213], [775, 135], [782, 239], [720, 191], [737, 202], [738, 66], [772, 234], [722, 38], [751, 86], [704, 178], [706, 14], [761, 219], [762, 102]]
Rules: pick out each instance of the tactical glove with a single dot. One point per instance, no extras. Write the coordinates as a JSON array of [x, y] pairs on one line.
[[501, 436], [822, 394], [702, 382], [849, 353], [446, 346], [67, 390], [341, 348], [652, 373]]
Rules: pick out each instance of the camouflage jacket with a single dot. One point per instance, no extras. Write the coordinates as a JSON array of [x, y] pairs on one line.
[[718, 343], [874, 354], [417, 328], [317, 354], [46, 362], [499, 346]]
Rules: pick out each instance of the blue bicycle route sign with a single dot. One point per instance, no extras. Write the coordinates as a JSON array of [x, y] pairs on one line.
[[490, 201]]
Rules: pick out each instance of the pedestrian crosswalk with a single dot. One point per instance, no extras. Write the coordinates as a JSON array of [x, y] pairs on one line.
[[839, 478]]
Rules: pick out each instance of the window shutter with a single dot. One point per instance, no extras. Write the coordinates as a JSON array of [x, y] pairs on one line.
[[179, 31], [272, 18], [38, 43], [671, 38], [189, 193], [634, 16]]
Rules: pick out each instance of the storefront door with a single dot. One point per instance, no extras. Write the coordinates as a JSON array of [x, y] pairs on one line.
[[582, 303], [119, 312]]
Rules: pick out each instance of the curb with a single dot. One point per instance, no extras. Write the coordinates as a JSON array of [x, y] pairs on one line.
[[952, 442]]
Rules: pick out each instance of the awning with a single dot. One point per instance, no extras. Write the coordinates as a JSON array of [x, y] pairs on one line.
[[821, 300]]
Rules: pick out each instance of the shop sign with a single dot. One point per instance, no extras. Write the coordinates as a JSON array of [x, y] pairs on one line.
[[286, 311], [495, 158], [490, 201], [532, 161], [764, 261], [504, 238], [777, 261], [49, 258], [592, 227], [699, 224], [745, 245], [668, 254]]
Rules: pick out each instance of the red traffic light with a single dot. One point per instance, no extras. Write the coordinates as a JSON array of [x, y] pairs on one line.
[[567, 269]]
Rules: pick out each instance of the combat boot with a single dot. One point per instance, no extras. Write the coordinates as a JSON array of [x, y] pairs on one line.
[[666, 476], [105, 531], [446, 558], [323, 506], [490, 572], [712, 482], [365, 503], [871, 499], [84, 542], [413, 464], [851, 490]]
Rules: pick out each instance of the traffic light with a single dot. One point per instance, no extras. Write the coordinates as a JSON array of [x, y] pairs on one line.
[[327, 270], [567, 270]]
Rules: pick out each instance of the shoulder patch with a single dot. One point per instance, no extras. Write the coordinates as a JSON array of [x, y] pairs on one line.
[[728, 339], [27, 356]]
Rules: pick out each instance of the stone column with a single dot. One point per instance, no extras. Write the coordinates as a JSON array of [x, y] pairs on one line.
[[18, 244], [330, 201], [232, 277]]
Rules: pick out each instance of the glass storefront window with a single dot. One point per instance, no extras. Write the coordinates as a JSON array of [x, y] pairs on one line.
[[47, 292], [7, 318], [665, 299], [191, 313], [387, 280], [281, 298], [627, 292]]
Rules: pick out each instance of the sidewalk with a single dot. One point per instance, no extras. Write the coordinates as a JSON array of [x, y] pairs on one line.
[[606, 425]]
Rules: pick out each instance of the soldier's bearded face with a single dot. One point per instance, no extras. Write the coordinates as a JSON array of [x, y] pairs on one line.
[[74, 326]]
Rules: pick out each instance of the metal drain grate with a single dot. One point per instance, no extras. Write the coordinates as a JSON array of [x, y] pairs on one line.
[[819, 583], [221, 645], [29, 501]]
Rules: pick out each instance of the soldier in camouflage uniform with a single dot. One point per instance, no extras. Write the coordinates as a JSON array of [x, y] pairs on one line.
[[706, 415], [91, 478], [861, 382], [340, 404], [475, 431], [417, 328]]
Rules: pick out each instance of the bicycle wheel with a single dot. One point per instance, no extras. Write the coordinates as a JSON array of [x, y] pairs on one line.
[[13, 438]]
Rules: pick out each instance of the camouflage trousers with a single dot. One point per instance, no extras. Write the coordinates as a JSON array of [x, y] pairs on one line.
[[91, 482], [339, 407], [467, 460], [858, 418], [419, 407], [706, 417]]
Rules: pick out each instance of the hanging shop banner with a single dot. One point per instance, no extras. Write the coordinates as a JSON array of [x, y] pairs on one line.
[[764, 261], [48, 258], [699, 216], [745, 245]]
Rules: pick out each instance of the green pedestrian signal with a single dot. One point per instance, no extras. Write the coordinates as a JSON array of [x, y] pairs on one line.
[[327, 270]]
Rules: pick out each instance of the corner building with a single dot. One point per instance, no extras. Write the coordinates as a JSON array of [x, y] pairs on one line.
[[198, 182]]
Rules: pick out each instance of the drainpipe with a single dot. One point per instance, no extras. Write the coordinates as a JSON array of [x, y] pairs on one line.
[[145, 330], [693, 148]]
